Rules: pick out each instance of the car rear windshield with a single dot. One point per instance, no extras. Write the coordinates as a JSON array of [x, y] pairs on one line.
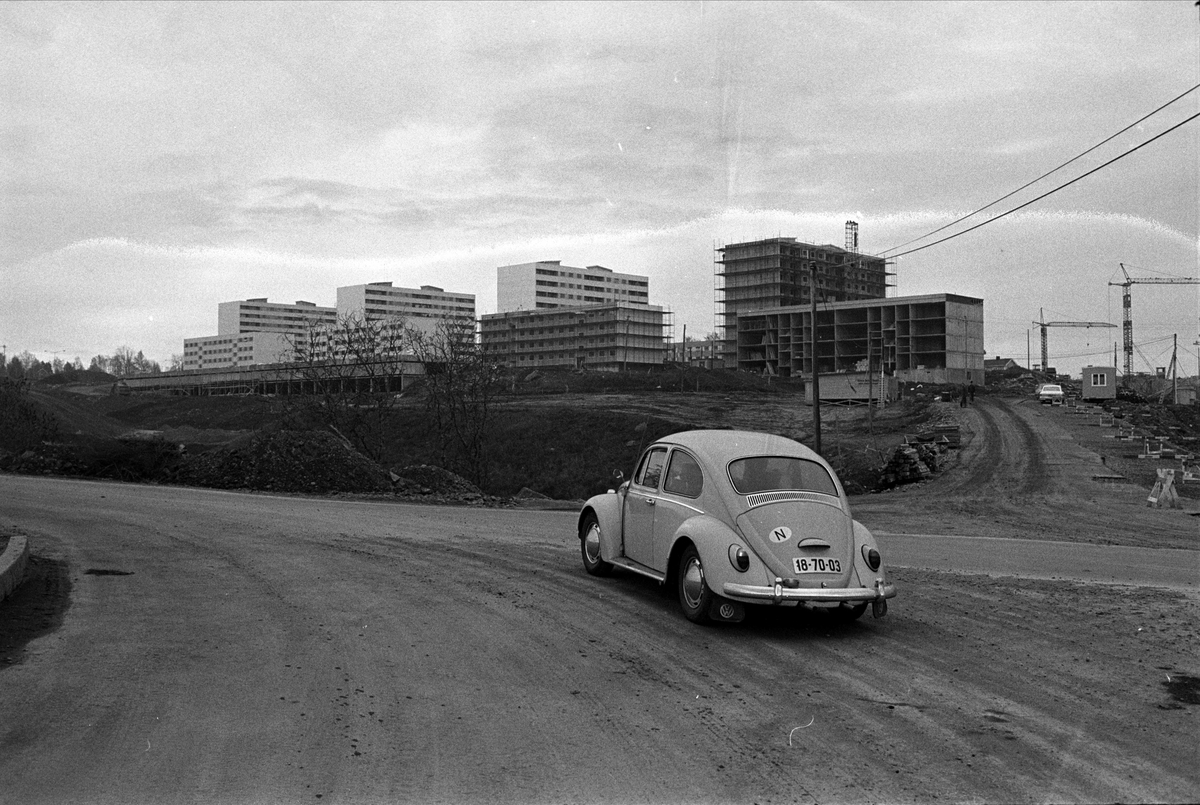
[[772, 473]]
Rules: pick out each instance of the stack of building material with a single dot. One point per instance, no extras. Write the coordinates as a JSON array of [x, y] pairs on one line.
[[944, 435], [910, 463]]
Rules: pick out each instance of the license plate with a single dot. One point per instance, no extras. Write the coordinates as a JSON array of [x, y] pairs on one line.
[[816, 564]]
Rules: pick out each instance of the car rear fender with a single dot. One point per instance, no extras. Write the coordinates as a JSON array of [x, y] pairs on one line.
[[607, 509], [713, 539], [863, 574]]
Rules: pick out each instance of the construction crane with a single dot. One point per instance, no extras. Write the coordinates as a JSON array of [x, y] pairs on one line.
[[1127, 308], [1043, 324]]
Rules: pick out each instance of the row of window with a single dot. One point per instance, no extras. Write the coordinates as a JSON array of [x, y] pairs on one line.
[[606, 278]]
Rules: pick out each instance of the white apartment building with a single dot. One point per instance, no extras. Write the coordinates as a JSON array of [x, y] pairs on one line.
[[610, 337], [421, 307], [549, 284], [259, 315], [236, 349], [255, 331]]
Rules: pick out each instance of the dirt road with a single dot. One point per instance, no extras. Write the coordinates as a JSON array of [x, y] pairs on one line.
[[1022, 473], [234, 648]]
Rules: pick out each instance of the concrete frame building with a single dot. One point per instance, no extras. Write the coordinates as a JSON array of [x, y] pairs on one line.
[[776, 273], [259, 315], [936, 338], [421, 308], [549, 284], [611, 337]]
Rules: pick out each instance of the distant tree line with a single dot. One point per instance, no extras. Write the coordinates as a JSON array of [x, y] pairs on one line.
[[122, 363]]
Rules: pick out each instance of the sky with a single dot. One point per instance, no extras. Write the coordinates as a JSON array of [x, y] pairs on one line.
[[157, 158]]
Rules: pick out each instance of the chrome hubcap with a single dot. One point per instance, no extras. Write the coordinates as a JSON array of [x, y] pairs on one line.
[[693, 582], [591, 543]]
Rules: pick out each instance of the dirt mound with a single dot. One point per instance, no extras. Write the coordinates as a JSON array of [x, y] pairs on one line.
[[424, 479], [287, 461]]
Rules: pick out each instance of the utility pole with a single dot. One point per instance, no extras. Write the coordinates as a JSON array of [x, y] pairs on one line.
[[1175, 371], [816, 376]]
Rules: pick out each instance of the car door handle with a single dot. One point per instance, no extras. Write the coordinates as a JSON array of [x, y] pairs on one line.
[[649, 501]]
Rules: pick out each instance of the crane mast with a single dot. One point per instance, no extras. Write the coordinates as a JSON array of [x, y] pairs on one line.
[[1127, 308]]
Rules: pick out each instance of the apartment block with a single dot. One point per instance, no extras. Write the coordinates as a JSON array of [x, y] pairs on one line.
[[705, 354], [259, 315], [936, 338], [237, 349], [421, 308], [549, 284], [607, 337]]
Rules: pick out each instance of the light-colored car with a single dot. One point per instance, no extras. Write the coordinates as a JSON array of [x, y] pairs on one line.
[[1051, 393], [730, 518]]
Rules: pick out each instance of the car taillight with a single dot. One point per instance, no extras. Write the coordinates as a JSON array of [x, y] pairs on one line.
[[739, 558], [872, 557]]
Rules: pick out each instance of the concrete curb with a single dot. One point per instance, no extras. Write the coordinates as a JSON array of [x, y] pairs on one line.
[[12, 565]]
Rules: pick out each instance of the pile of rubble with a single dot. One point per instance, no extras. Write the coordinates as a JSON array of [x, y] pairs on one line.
[[434, 484], [315, 462]]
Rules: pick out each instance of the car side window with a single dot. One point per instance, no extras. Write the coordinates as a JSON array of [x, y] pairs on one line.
[[650, 473], [684, 476]]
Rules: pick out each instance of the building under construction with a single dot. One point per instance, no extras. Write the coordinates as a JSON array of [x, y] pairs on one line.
[[936, 338], [777, 272]]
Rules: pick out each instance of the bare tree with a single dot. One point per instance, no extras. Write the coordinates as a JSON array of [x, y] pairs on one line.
[[461, 385], [345, 377]]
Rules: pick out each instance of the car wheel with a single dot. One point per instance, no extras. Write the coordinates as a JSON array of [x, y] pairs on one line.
[[849, 612], [695, 597], [589, 546]]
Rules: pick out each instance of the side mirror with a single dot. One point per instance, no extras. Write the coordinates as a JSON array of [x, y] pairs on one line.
[[618, 475]]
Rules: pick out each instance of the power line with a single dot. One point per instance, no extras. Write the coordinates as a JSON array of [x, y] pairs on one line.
[[1047, 193], [1048, 173]]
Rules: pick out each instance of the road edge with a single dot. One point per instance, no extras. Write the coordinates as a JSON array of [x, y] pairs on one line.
[[12, 565]]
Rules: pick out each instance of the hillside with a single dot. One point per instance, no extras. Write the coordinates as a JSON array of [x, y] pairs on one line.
[[558, 435]]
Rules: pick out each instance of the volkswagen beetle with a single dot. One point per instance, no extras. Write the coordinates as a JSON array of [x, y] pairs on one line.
[[730, 518]]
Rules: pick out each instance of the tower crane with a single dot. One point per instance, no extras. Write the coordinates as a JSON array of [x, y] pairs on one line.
[[1043, 324], [1127, 308]]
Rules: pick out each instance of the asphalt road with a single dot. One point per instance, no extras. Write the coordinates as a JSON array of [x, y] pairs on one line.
[[221, 647]]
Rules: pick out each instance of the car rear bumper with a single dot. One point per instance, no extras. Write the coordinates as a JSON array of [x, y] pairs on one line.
[[778, 593]]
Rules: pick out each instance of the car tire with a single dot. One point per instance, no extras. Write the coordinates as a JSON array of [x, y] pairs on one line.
[[589, 547], [847, 613], [695, 597]]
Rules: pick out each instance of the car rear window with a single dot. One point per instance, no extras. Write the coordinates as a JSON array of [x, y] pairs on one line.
[[774, 473]]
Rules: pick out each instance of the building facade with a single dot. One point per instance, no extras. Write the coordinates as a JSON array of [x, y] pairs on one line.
[[259, 315], [255, 331], [924, 339], [549, 284], [421, 308], [777, 273], [705, 354], [233, 350], [612, 337]]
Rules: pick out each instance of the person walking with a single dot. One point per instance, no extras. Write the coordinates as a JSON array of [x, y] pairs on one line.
[[962, 397], [971, 392]]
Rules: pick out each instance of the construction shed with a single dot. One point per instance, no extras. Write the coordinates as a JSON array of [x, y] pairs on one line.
[[1098, 383]]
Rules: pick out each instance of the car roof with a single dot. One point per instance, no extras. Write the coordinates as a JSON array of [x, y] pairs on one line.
[[718, 447]]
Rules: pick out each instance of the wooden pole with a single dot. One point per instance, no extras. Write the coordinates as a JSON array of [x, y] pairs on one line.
[[816, 376]]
